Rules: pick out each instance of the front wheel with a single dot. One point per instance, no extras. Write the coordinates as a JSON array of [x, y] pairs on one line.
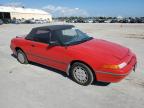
[[21, 57], [81, 74]]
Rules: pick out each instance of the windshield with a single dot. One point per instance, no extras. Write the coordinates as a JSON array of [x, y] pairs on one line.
[[73, 36]]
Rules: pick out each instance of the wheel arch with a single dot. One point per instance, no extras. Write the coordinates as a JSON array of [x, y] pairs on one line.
[[18, 48]]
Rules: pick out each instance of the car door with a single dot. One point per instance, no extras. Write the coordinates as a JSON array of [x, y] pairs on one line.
[[41, 52]]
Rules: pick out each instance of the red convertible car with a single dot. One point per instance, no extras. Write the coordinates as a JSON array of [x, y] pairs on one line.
[[82, 57]]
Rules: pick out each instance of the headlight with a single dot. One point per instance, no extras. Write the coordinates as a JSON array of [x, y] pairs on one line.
[[120, 66]]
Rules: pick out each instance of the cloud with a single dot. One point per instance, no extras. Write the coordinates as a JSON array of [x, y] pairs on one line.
[[64, 11], [15, 4]]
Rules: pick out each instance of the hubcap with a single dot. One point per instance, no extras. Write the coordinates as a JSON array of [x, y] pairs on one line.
[[21, 57], [80, 74]]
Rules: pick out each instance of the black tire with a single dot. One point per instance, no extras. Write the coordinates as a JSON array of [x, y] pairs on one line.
[[85, 79], [25, 60]]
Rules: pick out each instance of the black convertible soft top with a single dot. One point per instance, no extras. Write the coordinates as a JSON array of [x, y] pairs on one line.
[[55, 27], [52, 28]]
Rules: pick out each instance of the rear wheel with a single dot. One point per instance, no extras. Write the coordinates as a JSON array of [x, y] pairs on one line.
[[81, 74], [21, 57]]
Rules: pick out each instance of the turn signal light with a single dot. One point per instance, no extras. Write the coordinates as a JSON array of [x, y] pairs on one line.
[[120, 66]]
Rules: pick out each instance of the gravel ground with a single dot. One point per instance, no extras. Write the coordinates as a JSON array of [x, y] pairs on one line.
[[35, 86]]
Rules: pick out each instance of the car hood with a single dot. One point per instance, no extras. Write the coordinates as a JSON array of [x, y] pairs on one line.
[[103, 48]]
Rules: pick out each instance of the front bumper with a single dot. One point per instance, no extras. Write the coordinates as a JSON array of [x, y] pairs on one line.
[[117, 75]]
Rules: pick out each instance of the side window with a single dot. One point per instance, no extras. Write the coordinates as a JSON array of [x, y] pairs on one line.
[[55, 36], [42, 36]]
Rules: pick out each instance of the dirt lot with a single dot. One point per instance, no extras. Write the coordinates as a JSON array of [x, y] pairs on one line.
[[32, 86]]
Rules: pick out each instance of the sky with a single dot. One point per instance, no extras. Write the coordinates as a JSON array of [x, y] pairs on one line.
[[134, 8]]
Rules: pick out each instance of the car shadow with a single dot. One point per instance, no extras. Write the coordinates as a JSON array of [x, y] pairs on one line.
[[13, 56], [96, 83]]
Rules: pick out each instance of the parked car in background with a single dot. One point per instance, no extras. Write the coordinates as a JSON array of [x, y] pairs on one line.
[[114, 21], [95, 21], [29, 22], [6, 21], [38, 21], [89, 21], [46, 21], [108, 21], [1, 22], [142, 19], [101, 19], [132, 20], [32, 21], [16, 21], [82, 57]]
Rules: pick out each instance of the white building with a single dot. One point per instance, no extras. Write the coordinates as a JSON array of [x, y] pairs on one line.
[[8, 12]]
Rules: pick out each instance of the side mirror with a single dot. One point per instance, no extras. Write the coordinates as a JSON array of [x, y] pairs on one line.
[[53, 43]]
